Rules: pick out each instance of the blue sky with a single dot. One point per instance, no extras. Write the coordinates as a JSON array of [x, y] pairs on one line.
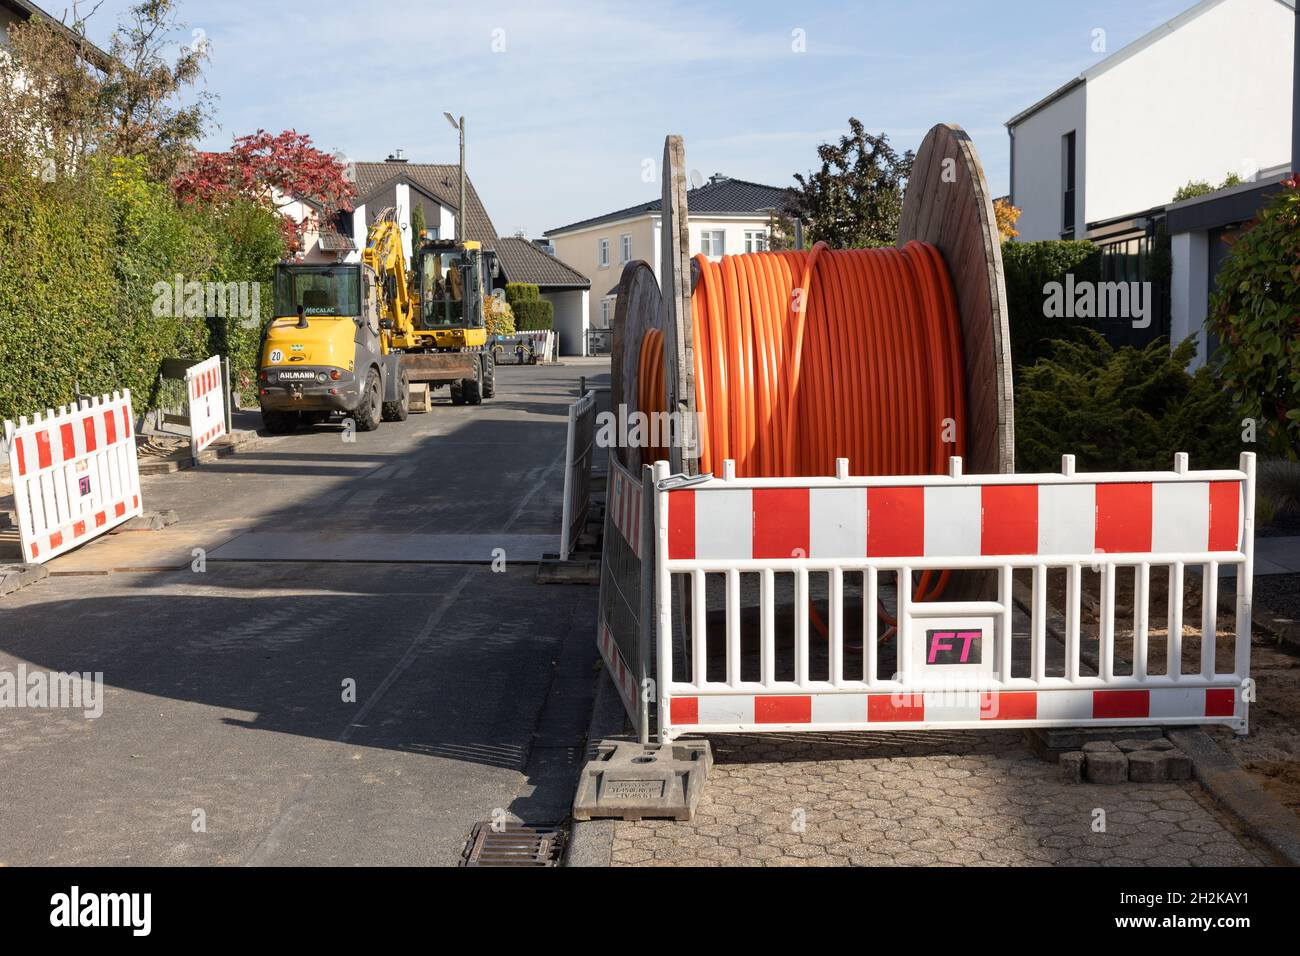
[[560, 121]]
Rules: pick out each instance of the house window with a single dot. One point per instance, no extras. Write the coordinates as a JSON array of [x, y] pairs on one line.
[[1068, 156], [624, 249], [602, 253], [756, 240], [713, 243], [606, 312]]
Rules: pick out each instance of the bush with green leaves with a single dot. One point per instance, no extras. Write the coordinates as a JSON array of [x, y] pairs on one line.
[[1120, 409], [1028, 267], [79, 259], [1256, 316]]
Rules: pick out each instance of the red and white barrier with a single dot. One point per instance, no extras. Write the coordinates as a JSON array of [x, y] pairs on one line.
[[950, 662], [207, 400], [625, 507], [75, 474]]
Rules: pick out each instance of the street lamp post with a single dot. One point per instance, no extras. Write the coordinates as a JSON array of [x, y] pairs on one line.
[[460, 211]]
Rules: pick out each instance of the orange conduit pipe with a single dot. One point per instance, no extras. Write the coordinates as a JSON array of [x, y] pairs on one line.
[[805, 357]]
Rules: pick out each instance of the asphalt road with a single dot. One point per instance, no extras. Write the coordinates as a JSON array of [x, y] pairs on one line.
[[227, 734]]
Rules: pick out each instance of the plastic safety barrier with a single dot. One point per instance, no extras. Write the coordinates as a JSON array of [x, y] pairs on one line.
[[838, 604], [207, 402], [75, 474]]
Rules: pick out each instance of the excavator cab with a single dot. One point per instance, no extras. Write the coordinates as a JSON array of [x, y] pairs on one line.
[[452, 278]]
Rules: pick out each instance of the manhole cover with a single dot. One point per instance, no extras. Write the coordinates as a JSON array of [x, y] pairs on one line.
[[513, 845]]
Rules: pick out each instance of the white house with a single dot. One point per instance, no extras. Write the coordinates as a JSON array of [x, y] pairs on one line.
[[1203, 97], [727, 216]]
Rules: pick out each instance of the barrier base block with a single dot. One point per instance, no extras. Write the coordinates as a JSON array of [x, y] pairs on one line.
[[578, 569], [632, 781], [16, 576], [1050, 742]]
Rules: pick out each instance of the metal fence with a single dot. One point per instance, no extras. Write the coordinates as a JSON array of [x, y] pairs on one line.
[[579, 449], [625, 628]]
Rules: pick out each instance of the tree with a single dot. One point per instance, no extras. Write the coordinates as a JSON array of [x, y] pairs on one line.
[[62, 100], [417, 221], [856, 198], [50, 115], [274, 170], [142, 88], [781, 230], [1199, 187], [1256, 316], [1007, 215]]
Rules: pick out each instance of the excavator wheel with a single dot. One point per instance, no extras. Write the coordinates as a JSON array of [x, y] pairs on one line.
[[369, 410], [489, 375], [471, 389], [457, 394], [399, 410]]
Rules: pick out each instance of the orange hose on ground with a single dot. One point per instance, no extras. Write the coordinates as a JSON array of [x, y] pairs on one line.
[[805, 357]]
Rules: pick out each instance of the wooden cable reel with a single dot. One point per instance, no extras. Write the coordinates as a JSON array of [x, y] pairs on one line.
[[947, 205]]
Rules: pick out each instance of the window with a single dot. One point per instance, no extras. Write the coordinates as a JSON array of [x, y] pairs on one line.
[[606, 312], [624, 249], [1067, 179], [713, 243], [756, 240], [320, 290], [602, 253]]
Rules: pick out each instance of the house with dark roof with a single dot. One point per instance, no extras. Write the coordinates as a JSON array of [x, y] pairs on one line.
[[401, 185], [1205, 97], [727, 216], [567, 289], [13, 12]]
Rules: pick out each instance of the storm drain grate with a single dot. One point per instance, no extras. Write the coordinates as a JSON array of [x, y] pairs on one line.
[[514, 845]]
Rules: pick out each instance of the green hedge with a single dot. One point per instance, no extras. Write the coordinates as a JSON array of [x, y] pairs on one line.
[[517, 292], [1028, 267], [532, 313], [79, 259], [536, 316]]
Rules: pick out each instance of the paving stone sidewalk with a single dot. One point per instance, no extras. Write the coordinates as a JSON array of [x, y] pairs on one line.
[[925, 799]]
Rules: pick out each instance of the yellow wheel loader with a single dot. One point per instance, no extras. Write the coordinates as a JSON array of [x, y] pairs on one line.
[[326, 352]]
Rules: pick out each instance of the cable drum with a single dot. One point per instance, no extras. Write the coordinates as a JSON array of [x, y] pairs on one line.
[[805, 357]]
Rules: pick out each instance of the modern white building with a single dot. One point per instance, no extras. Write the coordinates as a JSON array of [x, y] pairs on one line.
[[727, 216], [1204, 97]]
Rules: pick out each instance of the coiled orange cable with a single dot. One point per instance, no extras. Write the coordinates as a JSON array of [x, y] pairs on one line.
[[805, 357]]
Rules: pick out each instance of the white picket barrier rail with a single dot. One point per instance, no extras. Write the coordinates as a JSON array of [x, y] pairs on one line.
[[207, 401], [75, 474], [953, 660]]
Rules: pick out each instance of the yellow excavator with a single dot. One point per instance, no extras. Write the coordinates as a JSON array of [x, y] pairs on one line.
[[445, 341], [327, 352]]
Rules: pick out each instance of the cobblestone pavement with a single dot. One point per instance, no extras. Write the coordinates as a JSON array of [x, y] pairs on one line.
[[932, 799]]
